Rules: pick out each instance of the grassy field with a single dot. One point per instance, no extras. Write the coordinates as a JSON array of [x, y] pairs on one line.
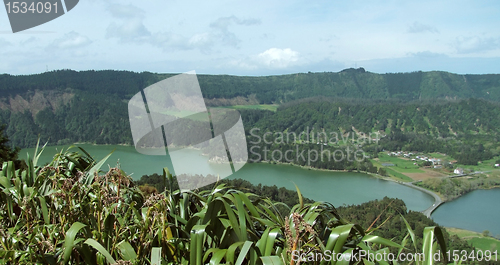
[[476, 239], [401, 165], [391, 170], [486, 165], [398, 175], [272, 107], [484, 243]]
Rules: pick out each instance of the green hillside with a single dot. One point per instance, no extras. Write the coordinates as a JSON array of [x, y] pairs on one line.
[[463, 129], [349, 83], [91, 106]]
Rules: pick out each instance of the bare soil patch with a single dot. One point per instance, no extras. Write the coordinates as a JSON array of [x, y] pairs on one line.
[[422, 176]]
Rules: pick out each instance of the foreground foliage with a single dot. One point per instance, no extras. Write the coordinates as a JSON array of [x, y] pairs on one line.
[[67, 212]]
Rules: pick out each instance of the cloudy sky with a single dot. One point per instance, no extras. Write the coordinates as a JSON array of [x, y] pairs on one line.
[[260, 37]]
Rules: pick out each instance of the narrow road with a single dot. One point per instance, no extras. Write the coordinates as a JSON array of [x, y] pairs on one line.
[[437, 199]]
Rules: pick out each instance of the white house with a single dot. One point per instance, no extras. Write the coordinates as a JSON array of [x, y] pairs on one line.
[[459, 171], [497, 165]]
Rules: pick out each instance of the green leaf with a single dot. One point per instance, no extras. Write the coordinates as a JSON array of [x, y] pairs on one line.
[[267, 241], [127, 252], [69, 241], [91, 242], [442, 244], [428, 248], [410, 231], [196, 244], [89, 177], [243, 252], [5, 182], [338, 237], [272, 260], [301, 200], [231, 251], [38, 154], [167, 177], [381, 240], [45, 211], [217, 256], [271, 239]]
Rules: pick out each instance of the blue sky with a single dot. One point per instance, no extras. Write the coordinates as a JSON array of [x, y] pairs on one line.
[[260, 37]]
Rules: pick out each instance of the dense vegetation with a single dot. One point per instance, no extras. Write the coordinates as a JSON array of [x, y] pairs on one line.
[[349, 83], [463, 129], [275, 194], [90, 106], [7, 153], [67, 212], [452, 188], [383, 214]]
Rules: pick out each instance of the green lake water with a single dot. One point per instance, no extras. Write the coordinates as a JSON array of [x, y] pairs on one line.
[[338, 188], [478, 210]]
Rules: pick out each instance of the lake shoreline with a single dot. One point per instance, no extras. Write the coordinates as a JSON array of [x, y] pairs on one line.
[[371, 174], [433, 194], [375, 175], [147, 165]]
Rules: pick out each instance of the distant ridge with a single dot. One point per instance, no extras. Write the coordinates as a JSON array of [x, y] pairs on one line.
[[67, 106], [348, 83]]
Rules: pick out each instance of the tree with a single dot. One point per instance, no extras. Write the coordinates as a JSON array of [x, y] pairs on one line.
[[6, 151]]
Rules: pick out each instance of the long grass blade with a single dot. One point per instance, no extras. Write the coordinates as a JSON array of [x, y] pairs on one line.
[[69, 241], [97, 246]]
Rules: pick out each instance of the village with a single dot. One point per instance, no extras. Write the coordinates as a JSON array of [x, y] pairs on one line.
[[423, 160], [412, 165]]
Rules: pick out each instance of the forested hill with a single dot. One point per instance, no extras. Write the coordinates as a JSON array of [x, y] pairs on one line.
[[349, 83], [91, 106]]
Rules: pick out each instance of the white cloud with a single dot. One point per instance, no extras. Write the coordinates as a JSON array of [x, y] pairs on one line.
[[223, 23], [227, 37], [217, 35], [71, 40], [474, 44], [278, 58], [130, 27], [204, 42], [125, 11], [127, 31], [427, 54], [170, 41], [417, 27]]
